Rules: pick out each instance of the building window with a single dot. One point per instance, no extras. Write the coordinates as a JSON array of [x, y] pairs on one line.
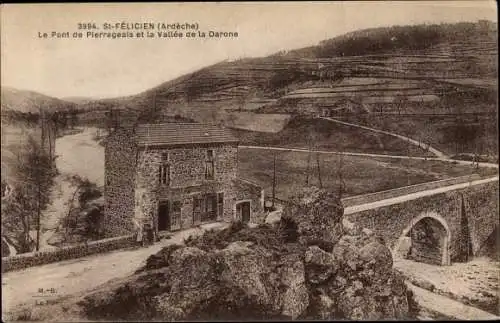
[[210, 208], [210, 165], [176, 215], [207, 206], [220, 204], [164, 174]]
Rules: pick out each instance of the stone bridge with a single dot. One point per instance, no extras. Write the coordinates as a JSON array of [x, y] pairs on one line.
[[436, 226]]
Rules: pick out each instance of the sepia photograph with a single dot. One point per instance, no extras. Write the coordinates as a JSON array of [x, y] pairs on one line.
[[250, 161]]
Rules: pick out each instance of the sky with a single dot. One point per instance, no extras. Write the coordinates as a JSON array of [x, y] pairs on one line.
[[99, 68]]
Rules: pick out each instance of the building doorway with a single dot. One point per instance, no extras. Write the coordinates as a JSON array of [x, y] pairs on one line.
[[163, 216], [243, 211]]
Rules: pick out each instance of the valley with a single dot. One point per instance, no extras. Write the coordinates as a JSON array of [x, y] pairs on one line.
[[365, 112]]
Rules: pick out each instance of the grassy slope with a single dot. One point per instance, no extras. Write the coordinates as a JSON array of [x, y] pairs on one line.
[[326, 135], [230, 83], [452, 135], [361, 175], [21, 101], [406, 62], [413, 62]]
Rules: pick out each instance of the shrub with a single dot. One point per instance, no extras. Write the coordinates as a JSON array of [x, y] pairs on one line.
[[288, 229], [160, 259]]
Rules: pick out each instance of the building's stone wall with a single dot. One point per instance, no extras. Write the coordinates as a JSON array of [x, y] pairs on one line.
[[31, 259], [481, 208], [119, 183], [187, 179], [134, 190], [246, 190]]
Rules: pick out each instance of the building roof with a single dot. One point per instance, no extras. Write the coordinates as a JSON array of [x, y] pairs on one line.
[[181, 134]]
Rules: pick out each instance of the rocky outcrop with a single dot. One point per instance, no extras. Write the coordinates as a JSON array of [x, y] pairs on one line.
[[318, 214], [303, 268]]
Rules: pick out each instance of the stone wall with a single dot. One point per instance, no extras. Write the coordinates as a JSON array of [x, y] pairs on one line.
[[119, 185], [246, 190], [387, 194], [134, 192], [187, 179], [481, 207], [31, 259]]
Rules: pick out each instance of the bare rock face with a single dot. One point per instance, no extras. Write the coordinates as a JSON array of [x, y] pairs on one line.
[[366, 286], [318, 215], [303, 268], [320, 265]]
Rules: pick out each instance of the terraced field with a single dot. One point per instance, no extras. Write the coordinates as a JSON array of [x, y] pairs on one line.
[[303, 132], [360, 174], [401, 70]]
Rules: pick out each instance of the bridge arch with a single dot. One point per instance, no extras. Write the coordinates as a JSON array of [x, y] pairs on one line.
[[428, 238]]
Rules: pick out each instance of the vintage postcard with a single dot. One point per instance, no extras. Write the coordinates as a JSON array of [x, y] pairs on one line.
[[250, 161]]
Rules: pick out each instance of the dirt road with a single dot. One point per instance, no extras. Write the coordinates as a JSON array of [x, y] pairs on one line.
[[76, 275], [455, 161], [474, 283], [447, 306], [433, 150]]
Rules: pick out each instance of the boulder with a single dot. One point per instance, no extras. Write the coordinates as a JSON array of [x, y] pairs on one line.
[[243, 271], [194, 282], [295, 297], [324, 307], [318, 215], [320, 265], [305, 267]]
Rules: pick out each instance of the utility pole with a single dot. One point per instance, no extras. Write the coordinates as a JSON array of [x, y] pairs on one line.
[[274, 179], [340, 177], [319, 171], [409, 160], [309, 157]]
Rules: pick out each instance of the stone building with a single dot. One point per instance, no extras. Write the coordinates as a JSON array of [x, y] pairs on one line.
[[341, 107], [175, 176]]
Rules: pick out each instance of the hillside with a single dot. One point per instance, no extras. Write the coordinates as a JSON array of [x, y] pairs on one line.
[[21, 101], [419, 63], [301, 132], [423, 70]]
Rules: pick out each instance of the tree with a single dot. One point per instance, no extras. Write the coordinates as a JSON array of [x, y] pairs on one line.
[[341, 186], [425, 138], [112, 119], [73, 118], [83, 219], [400, 103], [16, 221], [34, 174]]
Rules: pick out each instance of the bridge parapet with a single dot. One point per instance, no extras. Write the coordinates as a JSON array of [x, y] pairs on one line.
[[377, 196], [471, 214]]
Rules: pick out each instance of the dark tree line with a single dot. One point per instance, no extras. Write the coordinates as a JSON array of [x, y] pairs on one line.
[[386, 39]]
